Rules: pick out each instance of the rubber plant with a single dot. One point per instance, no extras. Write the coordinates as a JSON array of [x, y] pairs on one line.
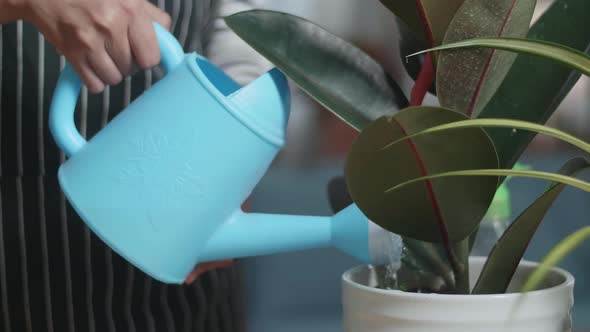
[[430, 173]]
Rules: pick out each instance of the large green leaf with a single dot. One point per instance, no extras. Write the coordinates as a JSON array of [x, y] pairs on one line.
[[559, 53], [563, 248], [429, 19], [418, 255], [442, 210], [535, 87], [506, 123], [467, 79], [510, 248], [559, 178], [334, 72]]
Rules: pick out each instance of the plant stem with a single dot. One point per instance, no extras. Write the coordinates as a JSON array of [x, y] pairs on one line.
[[429, 256], [423, 83], [461, 250]]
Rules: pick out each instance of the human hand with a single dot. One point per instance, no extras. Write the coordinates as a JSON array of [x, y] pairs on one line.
[[103, 40], [204, 267]]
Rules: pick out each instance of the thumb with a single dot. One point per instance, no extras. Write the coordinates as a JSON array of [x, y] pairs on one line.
[[158, 15]]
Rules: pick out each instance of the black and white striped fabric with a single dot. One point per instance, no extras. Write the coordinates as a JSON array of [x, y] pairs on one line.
[[54, 274]]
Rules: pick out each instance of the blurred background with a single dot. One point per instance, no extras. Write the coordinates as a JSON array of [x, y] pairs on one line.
[[301, 291]]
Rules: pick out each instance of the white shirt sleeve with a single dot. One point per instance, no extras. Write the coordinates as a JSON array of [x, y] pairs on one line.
[[229, 52]]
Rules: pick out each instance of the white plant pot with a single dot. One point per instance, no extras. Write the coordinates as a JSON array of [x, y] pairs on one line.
[[369, 309]]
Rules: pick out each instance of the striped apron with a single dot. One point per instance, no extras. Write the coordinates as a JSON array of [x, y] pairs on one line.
[[55, 275]]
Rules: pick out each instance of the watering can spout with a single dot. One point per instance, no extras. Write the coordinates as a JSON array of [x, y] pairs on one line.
[[264, 105], [213, 149], [252, 234]]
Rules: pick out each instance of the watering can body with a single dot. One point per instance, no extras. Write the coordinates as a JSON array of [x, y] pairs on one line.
[[163, 182]]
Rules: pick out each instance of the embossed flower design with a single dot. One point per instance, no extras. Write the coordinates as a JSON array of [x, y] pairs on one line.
[[162, 177]]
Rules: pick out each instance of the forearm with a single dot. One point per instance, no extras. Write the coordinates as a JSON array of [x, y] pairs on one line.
[[12, 10]]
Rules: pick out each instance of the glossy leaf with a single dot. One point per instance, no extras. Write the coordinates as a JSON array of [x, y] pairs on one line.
[[407, 12], [557, 254], [428, 18], [442, 210], [535, 87], [582, 185], [331, 70], [428, 256], [467, 79], [562, 54], [514, 124], [508, 251]]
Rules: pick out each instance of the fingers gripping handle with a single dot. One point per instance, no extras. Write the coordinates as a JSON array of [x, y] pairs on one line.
[[65, 96], [171, 53]]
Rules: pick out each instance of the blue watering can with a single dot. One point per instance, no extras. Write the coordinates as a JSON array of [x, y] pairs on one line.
[[163, 182]]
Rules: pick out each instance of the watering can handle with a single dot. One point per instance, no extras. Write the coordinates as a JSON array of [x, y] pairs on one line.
[[63, 104]]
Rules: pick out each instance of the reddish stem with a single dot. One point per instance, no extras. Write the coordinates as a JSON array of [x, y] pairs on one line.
[[426, 76], [421, 87], [423, 83]]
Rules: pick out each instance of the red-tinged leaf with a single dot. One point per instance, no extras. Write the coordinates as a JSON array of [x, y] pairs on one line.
[[437, 16], [428, 18], [535, 87], [467, 79], [440, 210]]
